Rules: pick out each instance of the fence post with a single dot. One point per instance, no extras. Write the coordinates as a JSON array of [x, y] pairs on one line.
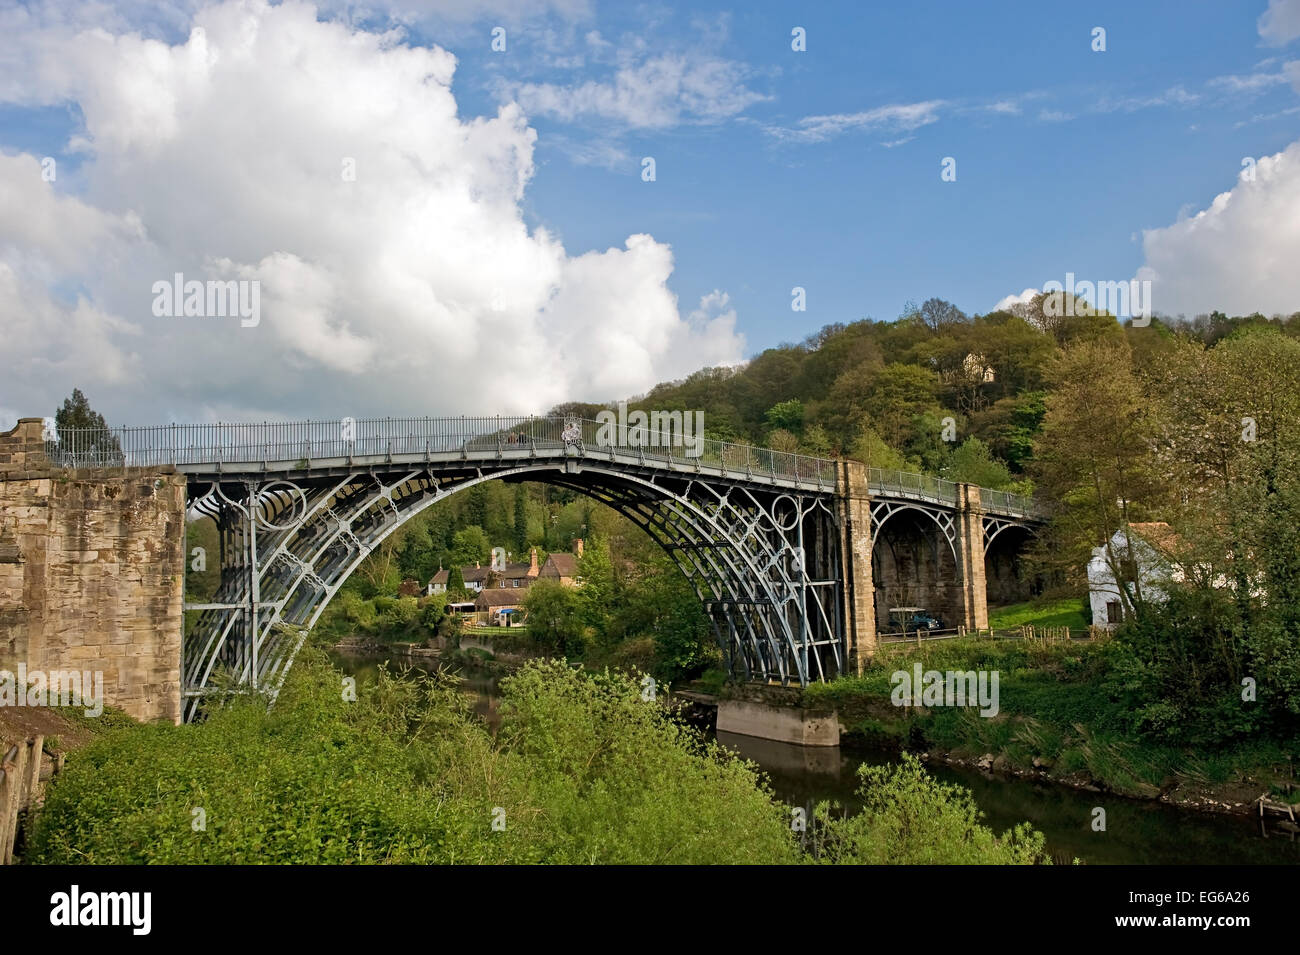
[[14, 767]]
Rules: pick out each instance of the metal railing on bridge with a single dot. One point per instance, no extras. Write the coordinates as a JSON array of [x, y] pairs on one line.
[[313, 441], [304, 442]]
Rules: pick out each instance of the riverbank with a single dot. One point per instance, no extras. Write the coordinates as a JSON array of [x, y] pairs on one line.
[[1054, 722], [1139, 831], [1053, 725]]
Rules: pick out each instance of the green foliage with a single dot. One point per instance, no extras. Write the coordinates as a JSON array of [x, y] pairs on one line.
[[1178, 669], [621, 782], [1072, 706], [972, 462], [555, 618], [456, 588], [401, 614], [583, 770], [470, 546], [872, 451], [596, 595], [521, 520], [786, 415], [909, 818], [783, 441], [201, 585]]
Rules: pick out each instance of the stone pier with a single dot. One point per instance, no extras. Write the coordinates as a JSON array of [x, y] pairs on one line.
[[92, 571], [970, 553], [855, 548]]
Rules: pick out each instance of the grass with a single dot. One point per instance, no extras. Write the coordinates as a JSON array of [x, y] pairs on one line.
[[1054, 613], [494, 631]]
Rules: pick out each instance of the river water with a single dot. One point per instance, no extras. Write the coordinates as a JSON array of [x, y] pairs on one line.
[[1136, 831]]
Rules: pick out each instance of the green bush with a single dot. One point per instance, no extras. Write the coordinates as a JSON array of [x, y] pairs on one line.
[[909, 818], [402, 615], [582, 770]]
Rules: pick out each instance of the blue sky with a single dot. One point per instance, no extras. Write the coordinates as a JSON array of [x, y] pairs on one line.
[[501, 222], [1064, 155]]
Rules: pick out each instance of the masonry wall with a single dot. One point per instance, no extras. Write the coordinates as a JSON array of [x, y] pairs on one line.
[[92, 574], [855, 552]]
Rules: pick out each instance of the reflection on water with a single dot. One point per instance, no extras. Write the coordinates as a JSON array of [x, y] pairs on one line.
[[1136, 831]]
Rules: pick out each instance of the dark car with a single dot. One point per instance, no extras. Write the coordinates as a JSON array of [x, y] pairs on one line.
[[924, 621]]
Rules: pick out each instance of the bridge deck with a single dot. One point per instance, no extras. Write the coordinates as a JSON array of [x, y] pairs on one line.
[[322, 448]]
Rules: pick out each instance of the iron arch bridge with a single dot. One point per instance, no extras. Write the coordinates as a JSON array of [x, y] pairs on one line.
[[777, 546]]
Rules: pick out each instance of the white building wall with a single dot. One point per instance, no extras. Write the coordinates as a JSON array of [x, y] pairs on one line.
[[1153, 571]]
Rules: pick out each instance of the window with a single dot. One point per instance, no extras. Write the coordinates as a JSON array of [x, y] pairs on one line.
[[1114, 613]]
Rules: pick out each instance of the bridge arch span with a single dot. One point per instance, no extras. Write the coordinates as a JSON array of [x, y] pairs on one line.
[[289, 542], [1007, 578], [915, 562]]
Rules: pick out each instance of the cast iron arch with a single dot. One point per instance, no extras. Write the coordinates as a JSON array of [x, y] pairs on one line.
[[288, 546]]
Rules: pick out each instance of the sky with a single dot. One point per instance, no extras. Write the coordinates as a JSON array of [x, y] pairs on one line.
[[456, 207]]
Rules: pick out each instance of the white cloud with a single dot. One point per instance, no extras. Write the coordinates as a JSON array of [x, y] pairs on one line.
[[1249, 83], [1174, 96], [657, 92], [900, 117], [416, 288], [1240, 254], [1280, 23], [1024, 298]]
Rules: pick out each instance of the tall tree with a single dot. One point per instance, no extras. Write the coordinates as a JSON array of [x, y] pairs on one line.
[[521, 519], [1095, 459], [470, 546], [83, 431]]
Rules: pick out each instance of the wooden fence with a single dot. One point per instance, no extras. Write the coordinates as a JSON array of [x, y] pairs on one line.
[[20, 788], [1026, 632]]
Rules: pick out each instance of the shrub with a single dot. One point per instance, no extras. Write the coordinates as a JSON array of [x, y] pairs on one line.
[[909, 818]]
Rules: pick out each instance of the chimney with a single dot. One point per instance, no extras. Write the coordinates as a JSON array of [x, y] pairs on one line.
[[577, 547], [532, 563]]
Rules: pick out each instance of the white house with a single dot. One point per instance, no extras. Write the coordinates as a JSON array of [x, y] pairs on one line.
[[1151, 566]]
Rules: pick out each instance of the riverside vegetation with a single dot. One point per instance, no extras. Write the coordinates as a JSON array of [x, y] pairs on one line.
[[582, 770]]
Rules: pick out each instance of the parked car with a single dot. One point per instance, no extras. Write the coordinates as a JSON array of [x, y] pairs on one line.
[[924, 621]]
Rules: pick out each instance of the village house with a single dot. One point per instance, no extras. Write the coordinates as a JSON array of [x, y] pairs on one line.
[[475, 579], [502, 604], [500, 593], [1150, 568], [1154, 565], [563, 567]]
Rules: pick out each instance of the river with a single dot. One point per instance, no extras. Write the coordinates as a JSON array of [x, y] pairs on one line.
[[1136, 831]]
